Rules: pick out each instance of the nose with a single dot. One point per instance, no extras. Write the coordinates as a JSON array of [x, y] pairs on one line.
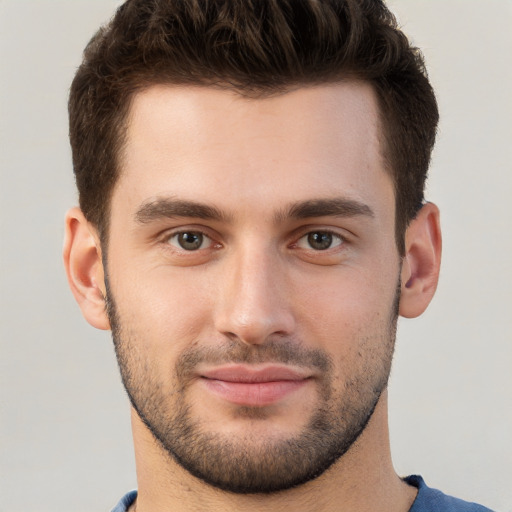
[[254, 302]]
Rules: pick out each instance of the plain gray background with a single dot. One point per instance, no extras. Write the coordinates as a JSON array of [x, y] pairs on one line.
[[64, 433]]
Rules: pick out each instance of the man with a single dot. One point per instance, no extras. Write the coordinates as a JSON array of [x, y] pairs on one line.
[[251, 225]]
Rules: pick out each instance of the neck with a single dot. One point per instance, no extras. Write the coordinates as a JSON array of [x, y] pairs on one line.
[[362, 480]]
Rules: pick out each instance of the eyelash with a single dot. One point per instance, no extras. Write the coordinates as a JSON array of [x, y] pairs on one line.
[[193, 232], [336, 239]]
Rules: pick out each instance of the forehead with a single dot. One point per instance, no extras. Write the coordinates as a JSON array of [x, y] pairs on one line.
[[217, 144]]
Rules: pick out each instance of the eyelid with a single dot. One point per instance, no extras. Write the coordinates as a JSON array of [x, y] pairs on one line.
[[165, 237], [173, 240], [343, 234], [335, 235]]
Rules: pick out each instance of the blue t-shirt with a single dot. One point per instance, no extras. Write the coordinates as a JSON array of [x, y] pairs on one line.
[[427, 500], [432, 500], [125, 503]]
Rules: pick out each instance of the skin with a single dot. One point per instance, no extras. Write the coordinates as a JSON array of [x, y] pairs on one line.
[[256, 278]]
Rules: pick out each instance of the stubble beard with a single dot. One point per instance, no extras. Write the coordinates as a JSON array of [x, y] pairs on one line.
[[243, 464]]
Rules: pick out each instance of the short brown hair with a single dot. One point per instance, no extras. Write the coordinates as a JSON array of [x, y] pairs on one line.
[[256, 47]]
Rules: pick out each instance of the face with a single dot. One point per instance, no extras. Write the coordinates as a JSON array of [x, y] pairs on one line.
[[252, 278]]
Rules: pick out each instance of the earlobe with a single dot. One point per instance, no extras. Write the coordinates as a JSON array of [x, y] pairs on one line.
[[84, 268], [421, 263]]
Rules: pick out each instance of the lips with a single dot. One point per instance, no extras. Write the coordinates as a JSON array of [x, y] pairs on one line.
[[254, 386]]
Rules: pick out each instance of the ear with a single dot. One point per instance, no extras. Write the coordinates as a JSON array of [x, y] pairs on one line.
[[420, 267], [84, 268]]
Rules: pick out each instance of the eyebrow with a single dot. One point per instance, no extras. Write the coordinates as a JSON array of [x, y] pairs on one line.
[[334, 207], [162, 208]]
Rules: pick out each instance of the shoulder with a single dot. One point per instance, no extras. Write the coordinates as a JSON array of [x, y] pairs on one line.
[[432, 500], [125, 502]]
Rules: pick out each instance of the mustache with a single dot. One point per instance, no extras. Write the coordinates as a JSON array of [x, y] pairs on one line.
[[273, 351]]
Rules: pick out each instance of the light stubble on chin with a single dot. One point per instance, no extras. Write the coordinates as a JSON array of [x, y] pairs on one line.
[[245, 464]]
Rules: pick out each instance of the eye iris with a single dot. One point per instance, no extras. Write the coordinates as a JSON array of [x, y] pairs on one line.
[[320, 241], [190, 241]]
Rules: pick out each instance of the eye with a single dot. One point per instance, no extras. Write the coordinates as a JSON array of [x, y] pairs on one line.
[[319, 240], [190, 240]]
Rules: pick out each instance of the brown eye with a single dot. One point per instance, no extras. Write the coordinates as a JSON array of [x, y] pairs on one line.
[[190, 240], [319, 241]]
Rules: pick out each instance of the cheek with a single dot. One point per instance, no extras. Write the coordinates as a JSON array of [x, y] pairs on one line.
[[352, 290], [165, 313], [347, 306]]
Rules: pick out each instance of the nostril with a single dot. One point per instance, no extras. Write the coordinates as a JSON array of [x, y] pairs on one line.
[[258, 328]]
